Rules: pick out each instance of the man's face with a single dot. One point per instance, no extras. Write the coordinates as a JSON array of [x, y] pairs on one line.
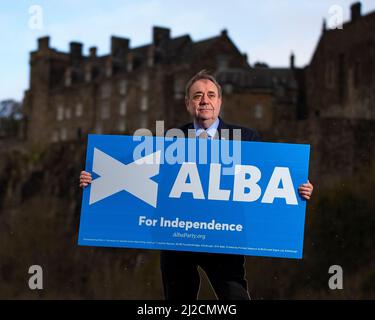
[[203, 102]]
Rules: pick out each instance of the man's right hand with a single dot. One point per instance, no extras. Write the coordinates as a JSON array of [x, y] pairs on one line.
[[84, 179]]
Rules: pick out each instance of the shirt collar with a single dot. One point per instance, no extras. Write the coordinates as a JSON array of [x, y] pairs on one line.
[[211, 130]]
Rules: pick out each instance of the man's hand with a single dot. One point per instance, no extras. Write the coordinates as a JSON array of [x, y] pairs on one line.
[[84, 179], [305, 190]]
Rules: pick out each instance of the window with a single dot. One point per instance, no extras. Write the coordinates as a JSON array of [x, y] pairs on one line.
[[55, 136], [98, 128], [108, 68], [151, 56], [105, 91], [143, 121], [144, 103], [88, 75], [129, 65], [67, 113], [222, 62], [228, 88], [121, 126], [63, 134], [79, 109], [123, 86], [150, 60], [122, 109], [144, 82], [258, 111], [341, 79], [60, 113], [108, 71], [105, 111], [179, 87], [129, 62], [68, 78]]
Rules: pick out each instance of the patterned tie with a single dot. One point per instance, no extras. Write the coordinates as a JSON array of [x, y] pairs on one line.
[[203, 135]]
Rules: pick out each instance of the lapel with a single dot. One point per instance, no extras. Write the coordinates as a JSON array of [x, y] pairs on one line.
[[222, 125]]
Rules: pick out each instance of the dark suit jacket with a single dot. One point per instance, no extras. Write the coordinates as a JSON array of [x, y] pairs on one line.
[[247, 134]]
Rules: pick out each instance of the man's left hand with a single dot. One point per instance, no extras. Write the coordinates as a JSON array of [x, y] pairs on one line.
[[305, 190]]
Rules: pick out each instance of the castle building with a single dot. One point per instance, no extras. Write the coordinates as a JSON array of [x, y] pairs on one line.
[[71, 94], [263, 96], [342, 70]]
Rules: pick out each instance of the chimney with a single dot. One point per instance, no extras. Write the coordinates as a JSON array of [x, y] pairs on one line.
[[43, 44], [160, 35], [75, 50], [224, 33], [355, 11], [324, 26], [92, 52], [119, 46], [292, 61]]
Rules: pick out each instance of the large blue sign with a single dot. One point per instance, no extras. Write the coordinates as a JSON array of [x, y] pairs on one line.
[[215, 196]]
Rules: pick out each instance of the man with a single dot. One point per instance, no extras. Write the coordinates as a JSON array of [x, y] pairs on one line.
[[226, 272]]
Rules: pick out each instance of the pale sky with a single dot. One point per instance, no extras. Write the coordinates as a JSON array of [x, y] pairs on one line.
[[268, 30]]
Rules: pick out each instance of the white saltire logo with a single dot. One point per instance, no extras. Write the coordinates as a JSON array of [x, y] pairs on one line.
[[134, 177]]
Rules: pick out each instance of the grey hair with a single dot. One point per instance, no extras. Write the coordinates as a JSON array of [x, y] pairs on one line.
[[202, 75]]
